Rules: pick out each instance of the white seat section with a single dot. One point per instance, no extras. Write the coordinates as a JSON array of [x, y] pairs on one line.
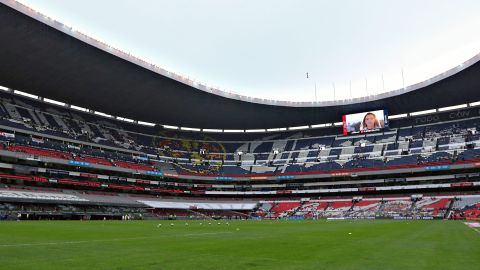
[[465, 201], [200, 205], [39, 196]]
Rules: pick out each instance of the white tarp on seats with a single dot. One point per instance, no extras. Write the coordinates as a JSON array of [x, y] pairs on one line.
[[200, 205]]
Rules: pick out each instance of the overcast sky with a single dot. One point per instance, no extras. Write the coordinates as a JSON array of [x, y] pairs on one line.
[[264, 48]]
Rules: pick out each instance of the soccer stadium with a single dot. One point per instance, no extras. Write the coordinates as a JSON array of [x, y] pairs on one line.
[[108, 161]]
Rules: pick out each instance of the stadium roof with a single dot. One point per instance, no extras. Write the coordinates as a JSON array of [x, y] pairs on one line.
[[43, 57]]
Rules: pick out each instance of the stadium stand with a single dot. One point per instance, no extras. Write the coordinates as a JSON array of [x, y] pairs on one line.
[[441, 144], [66, 161]]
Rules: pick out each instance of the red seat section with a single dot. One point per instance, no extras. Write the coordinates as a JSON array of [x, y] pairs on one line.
[[442, 203], [133, 166], [341, 204], [284, 206], [366, 203], [94, 160], [62, 155], [39, 152]]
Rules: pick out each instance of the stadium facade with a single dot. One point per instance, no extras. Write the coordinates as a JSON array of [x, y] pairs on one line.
[[83, 137]]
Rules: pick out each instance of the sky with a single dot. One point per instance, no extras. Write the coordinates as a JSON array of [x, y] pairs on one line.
[[264, 49]]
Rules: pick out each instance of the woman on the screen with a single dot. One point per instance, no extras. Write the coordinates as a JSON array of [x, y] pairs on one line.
[[369, 122]]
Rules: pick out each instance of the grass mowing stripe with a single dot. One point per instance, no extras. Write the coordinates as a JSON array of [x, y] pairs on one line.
[[262, 245], [109, 240]]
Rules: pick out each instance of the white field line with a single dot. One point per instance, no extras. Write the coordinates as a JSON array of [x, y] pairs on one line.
[[108, 240], [475, 229]]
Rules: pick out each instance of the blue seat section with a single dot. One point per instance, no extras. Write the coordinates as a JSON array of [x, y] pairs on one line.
[[323, 149]]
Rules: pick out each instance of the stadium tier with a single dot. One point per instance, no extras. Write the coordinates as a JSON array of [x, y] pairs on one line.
[[440, 207], [101, 153], [33, 203], [94, 143], [83, 139], [48, 146]]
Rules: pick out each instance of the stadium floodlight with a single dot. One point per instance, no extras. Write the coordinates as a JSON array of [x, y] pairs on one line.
[[299, 127], [51, 101], [275, 129], [396, 116], [189, 129], [423, 112], [452, 108], [474, 103], [321, 125], [125, 119], [170, 127], [255, 130], [25, 94], [103, 114], [78, 108], [212, 130], [146, 123]]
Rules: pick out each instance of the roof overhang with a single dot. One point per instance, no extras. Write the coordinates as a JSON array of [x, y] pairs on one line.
[[43, 57]]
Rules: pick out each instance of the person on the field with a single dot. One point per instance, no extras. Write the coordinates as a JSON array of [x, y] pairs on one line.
[[369, 122]]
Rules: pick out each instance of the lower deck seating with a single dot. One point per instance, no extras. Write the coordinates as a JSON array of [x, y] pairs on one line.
[[390, 207]]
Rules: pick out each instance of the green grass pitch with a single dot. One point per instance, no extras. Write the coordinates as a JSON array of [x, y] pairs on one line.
[[380, 244]]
